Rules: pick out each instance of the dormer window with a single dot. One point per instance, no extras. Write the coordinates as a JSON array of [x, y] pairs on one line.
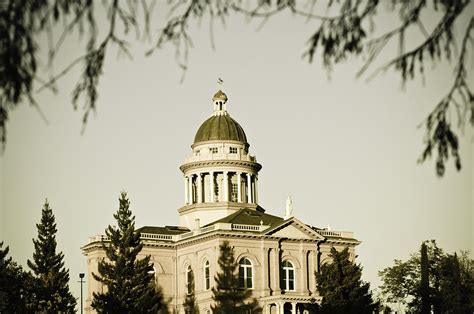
[[213, 150], [233, 150]]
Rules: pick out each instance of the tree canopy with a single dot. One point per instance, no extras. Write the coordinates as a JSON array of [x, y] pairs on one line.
[[431, 279], [340, 285], [346, 29], [129, 278], [16, 285], [227, 294], [52, 293]]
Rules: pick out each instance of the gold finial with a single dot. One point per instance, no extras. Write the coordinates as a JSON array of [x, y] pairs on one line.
[[220, 81]]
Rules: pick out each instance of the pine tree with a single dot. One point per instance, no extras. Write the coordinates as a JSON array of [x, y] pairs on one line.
[[14, 285], [190, 306], [129, 280], [341, 288], [227, 295], [51, 277]]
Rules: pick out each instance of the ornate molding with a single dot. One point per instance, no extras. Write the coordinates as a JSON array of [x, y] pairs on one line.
[[222, 162]]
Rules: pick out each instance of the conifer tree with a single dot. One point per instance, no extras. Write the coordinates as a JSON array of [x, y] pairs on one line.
[[129, 280], [341, 288], [190, 306], [227, 295], [52, 293], [15, 285]]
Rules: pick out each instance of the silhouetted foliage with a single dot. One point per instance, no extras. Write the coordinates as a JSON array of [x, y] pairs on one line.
[[228, 296], [425, 281], [450, 281], [190, 306], [346, 29], [340, 285], [129, 279], [51, 286], [16, 285]]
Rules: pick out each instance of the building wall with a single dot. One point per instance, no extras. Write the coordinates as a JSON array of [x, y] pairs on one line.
[[266, 255]]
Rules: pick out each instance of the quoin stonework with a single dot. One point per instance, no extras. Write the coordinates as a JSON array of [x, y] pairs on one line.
[[277, 256]]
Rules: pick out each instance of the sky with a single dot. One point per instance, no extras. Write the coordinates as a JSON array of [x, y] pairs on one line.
[[345, 149]]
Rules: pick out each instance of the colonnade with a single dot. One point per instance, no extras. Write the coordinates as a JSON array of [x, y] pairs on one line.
[[279, 308], [215, 186]]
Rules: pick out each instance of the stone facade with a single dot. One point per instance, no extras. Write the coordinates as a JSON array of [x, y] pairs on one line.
[[278, 256]]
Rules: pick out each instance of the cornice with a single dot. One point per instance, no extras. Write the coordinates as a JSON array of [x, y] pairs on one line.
[[220, 163]]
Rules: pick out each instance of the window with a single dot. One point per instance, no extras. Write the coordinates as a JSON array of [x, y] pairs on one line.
[[207, 277], [288, 276], [233, 150], [189, 280], [245, 273], [234, 192], [213, 150], [197, 152]]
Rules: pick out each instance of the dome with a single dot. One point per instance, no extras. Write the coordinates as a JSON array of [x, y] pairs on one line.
[[220, 128], [220, 95]]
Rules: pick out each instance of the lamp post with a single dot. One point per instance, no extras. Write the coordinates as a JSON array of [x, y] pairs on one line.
[[81, 277]]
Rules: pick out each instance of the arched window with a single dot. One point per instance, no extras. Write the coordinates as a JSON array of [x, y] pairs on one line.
[[288, 276], [245, 273], [189, 280], [207, 276]]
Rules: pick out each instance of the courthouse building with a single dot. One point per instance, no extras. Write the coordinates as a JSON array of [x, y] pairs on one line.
[[277, 256]]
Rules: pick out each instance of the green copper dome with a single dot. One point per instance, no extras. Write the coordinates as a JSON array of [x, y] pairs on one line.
[[220, 128]]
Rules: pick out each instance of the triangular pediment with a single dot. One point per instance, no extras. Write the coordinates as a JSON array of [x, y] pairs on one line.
[[294, 229]]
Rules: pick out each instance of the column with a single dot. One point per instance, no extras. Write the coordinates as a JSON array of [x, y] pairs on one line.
[[275, 271], [249, 188], [186, 198], [265, 308], [199, 197], [293, 307], [255, 186], [266, 271], [212, 186], [239, 187], [226, 186], [190, 187], [304, 271], [311, 270], [281, 307]]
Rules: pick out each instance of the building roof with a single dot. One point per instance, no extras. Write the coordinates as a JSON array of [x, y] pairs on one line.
[[163, 230], [247, 216], [220, 127]]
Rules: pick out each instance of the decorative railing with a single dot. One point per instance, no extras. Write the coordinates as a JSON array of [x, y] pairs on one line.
[[154, 236], [339, 234], [217, 226]]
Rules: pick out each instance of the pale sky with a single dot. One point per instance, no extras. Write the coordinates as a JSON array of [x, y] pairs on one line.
[[344, 149]]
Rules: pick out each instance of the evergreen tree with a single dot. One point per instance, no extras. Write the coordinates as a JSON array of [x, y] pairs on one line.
[[227, 295], [15, 285], [341, 288], [129, 280], [52, 293], [190, 306], [425, 283]]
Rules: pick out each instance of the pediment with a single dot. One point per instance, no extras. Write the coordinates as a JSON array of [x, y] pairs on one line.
[[294, 229]]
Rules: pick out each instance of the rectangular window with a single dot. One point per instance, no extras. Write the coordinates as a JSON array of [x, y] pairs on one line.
[[213, 150], [241, 277], [207, 278], [234, 192], [233, 150]]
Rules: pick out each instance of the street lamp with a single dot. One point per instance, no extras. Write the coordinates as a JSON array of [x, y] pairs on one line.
[[81, 277]]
